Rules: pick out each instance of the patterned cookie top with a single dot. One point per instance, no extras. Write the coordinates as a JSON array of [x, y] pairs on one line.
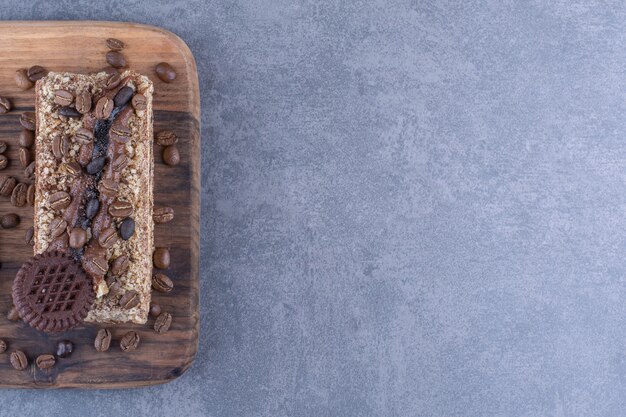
[[52, 293]]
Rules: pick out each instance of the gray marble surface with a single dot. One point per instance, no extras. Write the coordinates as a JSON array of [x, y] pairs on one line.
[[409, 208]]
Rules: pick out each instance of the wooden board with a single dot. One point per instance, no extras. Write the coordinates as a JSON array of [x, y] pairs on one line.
[[80, 47]]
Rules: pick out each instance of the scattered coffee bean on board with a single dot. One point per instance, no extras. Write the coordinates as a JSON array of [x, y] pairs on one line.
[[64, 348], [18, 196], [28, 236], [162, 323], [3, 146], [155, 309], [9, 221], [36, 72], [27, 120], [5, 105], [171, 156], [30, 195], [29, 172], [116, 59], [26, 139], [163, 214], [161, 258], [103, 340], [46, 361], [162, 283], [129, 342], [115, 44], [22, 81], [165, 72], [4, 162], [24, 155], [166, 138], [7, 184], [18, 360], [3, 346]]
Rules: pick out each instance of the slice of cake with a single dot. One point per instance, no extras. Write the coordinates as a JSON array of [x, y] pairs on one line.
[[93, 178]]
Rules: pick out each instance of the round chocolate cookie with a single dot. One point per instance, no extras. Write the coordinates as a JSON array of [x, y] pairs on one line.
[[52, 292]]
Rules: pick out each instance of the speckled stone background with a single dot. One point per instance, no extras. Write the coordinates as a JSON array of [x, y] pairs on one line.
[[410, 208]]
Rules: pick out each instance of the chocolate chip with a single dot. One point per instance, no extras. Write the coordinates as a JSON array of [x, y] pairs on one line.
[[4, 162], [5, 105], [29, 172], [113, 80], [108, 237], [162, 323], [166, 138], [18, 360], [26, 139], [36, 72], [103, 340], [57, 227], [166, 72], [60, 146], [7, 184], [129, 300], [115, 44], [64, 349], [129, 342], [123, 96], [60, 200], [92, 208], [139, 102], [78, 238], [162, 283], [96, 165], [63, 97], [27, 120], [29, 235], [162, 214], [104, 107], [69, 112], [83, 102], [24, 156], [171, 156], [22, 81], [46, 361], [83, 135], [18, 196], [9, 221], [120, 208], [155, 309], [116, 59], [127, 228], [30, 195], [120, 265]]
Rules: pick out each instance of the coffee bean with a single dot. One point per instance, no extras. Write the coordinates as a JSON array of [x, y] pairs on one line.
[[120, 208], [24, 155], [72, 168], [108, 237], [60, 146], [166, 138], [46, 361], [78, 238], [116, 59], [26, 139], [108, 187], [166, 72], [120, 265], [139, 102], [92, 208], [120, 163], [7, 184], [115, 44], [69, 112], [5, 105], [59, 200], [83, 135], [103, 340], [127, 228], [163, 214], [171, 156], [3, 346], [18, 196], [115, 289], [130, 300], [83, 102], [13, 315], [161, 258], [29, 172], [61, 243], [96, 165], [57, 227], [27, 120], [162, 323], [120, 134], [9, 221], [3, 146], [29, 236], [18, 360], [155, 309], [162, 283], [4, 162], [63, 97], [22, 81], [64, 348], [104, 107], [113, 80], [85, 153], [95, 265], [129, 342], [30, 195], [123, 96], [36, 72]]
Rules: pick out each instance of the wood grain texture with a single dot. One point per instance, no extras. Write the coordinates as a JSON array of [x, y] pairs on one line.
[[80, 47]]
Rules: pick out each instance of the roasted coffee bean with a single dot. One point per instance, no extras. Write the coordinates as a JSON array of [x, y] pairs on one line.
[[57, 227], [69, 112], [29, 236], [127, 228], [61, 243], [166, 138], [103, 340], [72, 168], [7, 184], [155, 309], [27, 120], [96, 165], [104, 107], [163, 214], [3, 146], [83, 102], [78, 238], [120, 163], [64, 348], [29, 171], [84, 135], [9, 221], [5, 105], [30, 195], [92, 208], [27, 138], [120, 134], [162, 283], [162, 323], [116, 59], [119, 265], [13, 315], [115, 44], [130, 300], [24, 155], [171, 156], [36, 72], [95, 265], [18, 196], [46, 361], [113, 80], [115, 288], [109, 188], [129, 342], [4, 162], [63, 97], [3, 346], [18, 360], [139, 102], [22, 81], [108, 237], [165, 72], [85, 153], [59, 200], [123, 96], [161, 258], [60, 146], [120, 208]]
